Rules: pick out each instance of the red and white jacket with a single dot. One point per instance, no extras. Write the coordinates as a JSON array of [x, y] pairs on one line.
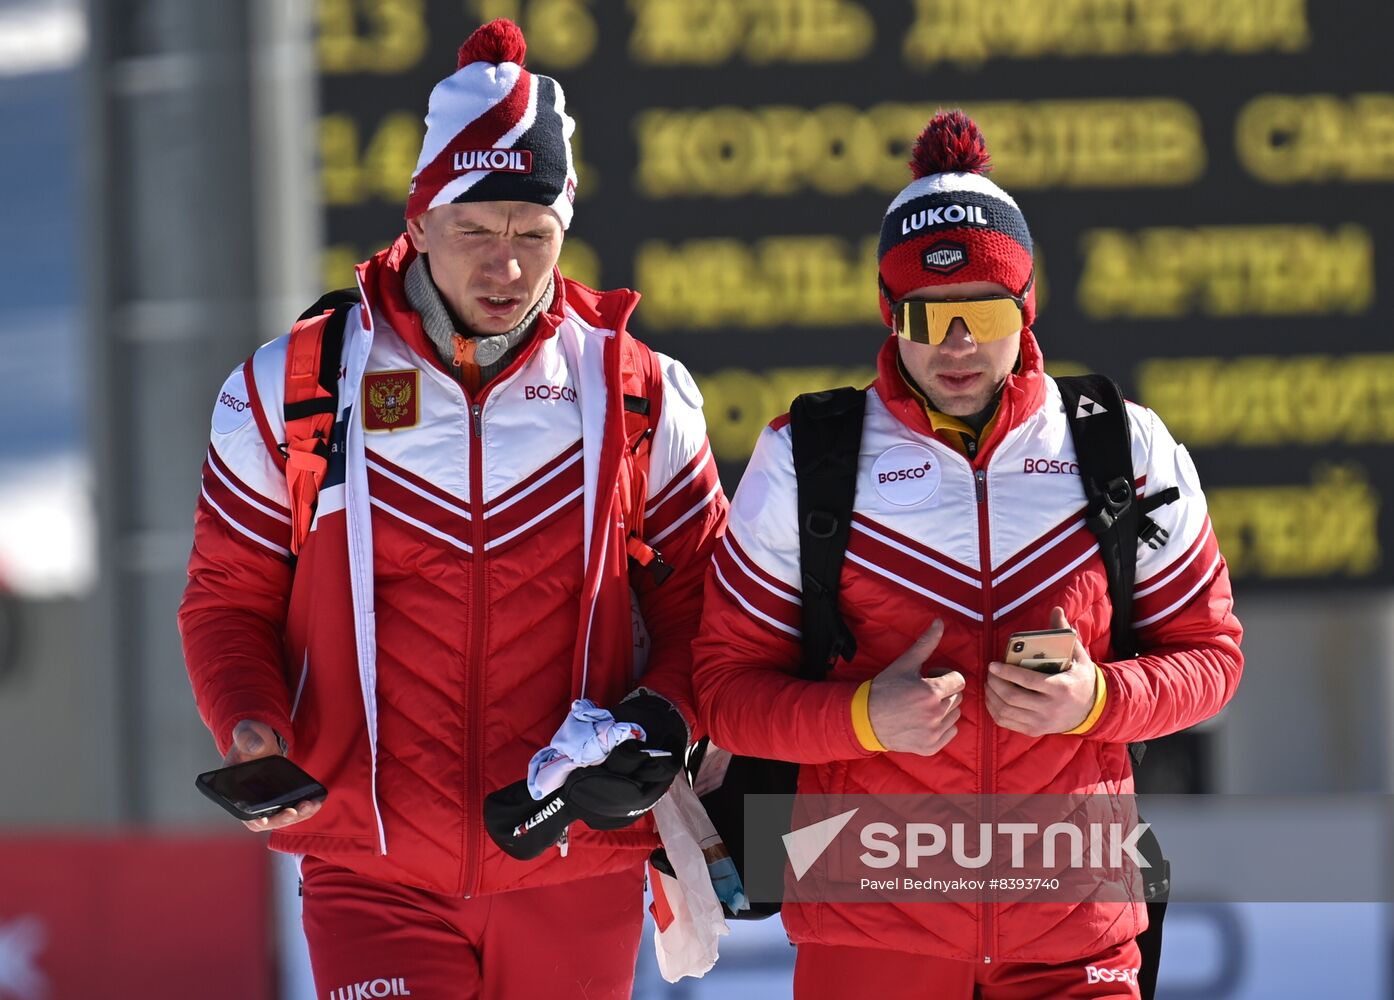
[[989, 545], [465, 578]]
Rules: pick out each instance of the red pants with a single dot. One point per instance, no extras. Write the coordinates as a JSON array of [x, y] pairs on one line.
[[825, 971], [375, 939]]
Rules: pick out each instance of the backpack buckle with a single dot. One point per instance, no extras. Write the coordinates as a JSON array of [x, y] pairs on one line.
[[820, 524], [1153, 533], [1112, 504], [1157, 883], [843, 646], [647, 558]]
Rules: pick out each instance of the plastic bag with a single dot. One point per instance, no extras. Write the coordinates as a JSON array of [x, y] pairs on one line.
[[688, 917]]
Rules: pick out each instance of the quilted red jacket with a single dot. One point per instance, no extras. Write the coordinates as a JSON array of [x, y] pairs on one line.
[[465, 578], [989, 545]]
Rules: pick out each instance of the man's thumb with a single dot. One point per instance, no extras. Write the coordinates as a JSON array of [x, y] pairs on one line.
[[1058, 619], [250, 741], [910, 661]]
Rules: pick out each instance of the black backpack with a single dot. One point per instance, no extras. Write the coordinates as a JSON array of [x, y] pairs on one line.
[[826, 430]]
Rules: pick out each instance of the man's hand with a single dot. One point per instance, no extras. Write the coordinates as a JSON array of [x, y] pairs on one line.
[[251, 740], [1040, 704], [911, 713]]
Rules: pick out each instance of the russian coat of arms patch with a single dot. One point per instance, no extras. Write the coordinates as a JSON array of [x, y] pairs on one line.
[[392, 400]]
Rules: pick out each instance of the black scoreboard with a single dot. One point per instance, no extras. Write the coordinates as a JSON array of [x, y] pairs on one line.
[[1208, 183]]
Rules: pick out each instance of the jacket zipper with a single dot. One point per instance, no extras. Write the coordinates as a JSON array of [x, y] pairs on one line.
[[474, 798], [474, 713], [985, 565]]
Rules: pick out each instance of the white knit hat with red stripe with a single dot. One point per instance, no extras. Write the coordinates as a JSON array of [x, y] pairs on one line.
[[495, 132]]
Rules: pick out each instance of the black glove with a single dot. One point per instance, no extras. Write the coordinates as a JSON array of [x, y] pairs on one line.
[[522, 826], [607, 796], [621, 788], [663, 725], [627, 783]]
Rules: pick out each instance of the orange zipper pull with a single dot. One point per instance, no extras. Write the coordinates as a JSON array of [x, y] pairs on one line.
[[464, 350]]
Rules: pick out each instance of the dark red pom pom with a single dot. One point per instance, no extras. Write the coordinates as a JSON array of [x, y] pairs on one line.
[[950, 143], [496, 42]]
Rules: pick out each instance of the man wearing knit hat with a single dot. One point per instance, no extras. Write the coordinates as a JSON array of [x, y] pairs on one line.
[[464, 599], [968, 525]]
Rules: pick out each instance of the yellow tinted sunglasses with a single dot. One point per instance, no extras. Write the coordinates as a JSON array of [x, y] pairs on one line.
[[991, 318]]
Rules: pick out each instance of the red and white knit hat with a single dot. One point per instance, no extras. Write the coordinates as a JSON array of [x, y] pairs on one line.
[[951, 224], [495, 132]]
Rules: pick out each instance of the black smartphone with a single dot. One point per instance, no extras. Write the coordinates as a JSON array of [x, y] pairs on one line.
[[257, 788]]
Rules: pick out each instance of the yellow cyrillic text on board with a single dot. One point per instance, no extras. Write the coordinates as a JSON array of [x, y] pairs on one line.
[[1327, 528], [683, 33], [1169, 272], [970, 32], [777, 281], [1270, 401], [837, 149], [1291, 138]]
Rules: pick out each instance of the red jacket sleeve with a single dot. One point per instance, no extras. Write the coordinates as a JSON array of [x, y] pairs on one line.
[[684, 514], [1189, 672], [1183, 612], [232, 616], [748, 650]]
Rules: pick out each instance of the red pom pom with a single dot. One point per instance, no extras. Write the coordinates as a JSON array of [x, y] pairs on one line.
[[950, 143], [496, 42]]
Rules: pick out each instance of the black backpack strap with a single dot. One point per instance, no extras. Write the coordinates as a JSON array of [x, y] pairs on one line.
[[332, 301], [1103, 444], [1098, 421], [826, 428]]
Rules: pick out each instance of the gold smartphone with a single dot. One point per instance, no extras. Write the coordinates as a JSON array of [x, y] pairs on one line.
[[1048, 651]]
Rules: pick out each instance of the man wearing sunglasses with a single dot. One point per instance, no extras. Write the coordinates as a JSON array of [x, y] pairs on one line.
[[968, 525], [959, 342]]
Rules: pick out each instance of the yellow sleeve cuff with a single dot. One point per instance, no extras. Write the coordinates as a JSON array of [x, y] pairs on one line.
[[861, 718], [1100, 696]]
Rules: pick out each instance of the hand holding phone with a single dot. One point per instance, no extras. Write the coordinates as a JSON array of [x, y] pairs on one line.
[[1047, 651], [258, 789], [254, 741], [1021, 698]]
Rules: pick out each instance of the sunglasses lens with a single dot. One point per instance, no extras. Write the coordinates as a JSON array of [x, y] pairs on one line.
[[987, 319]]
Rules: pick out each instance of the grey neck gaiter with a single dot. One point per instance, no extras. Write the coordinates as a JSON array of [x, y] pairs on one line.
[[493, 353]]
